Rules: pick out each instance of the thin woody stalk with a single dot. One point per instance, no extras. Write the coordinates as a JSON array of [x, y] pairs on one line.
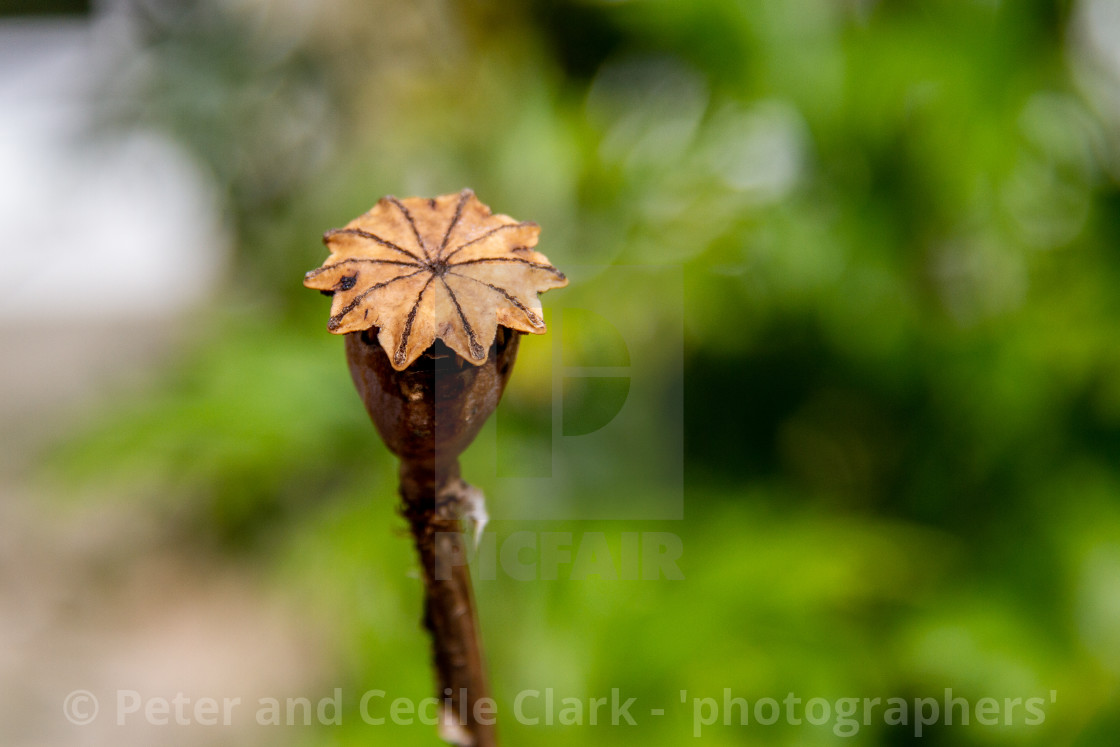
[[432, 296], [449, 612]]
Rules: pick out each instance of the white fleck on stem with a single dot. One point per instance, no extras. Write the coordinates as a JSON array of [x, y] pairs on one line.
[[450, 731], [459, 499]]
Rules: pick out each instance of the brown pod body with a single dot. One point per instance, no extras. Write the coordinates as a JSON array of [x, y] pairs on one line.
[[430, 412]]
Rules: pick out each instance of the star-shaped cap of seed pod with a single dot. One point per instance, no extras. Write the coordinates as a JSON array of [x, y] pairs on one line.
[[421, 269]]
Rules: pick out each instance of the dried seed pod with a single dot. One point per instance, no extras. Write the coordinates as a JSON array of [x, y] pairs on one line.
[[432, 295]]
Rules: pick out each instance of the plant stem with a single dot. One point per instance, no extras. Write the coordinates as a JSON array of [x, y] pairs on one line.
[[431, 500]]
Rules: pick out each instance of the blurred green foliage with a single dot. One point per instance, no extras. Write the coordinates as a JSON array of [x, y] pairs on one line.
[[897, 224]]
